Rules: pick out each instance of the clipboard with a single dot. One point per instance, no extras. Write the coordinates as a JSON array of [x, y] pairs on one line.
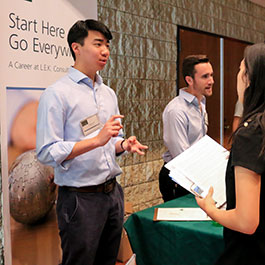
[[204, 165]]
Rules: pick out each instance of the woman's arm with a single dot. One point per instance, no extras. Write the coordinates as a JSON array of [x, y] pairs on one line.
[[245, 217]]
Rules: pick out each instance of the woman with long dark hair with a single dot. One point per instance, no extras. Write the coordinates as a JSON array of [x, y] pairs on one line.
[[244, 218]]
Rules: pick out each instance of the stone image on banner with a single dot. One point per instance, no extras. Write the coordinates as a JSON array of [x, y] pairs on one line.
[[32, 191]]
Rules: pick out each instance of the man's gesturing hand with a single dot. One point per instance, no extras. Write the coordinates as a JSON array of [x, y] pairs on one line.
[[110, 129], [133, 146]]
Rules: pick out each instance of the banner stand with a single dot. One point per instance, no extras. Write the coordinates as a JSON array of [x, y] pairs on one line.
[[34, 54]]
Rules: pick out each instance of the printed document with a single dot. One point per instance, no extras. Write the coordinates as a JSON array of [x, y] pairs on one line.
[[180, 214], [201, 166]]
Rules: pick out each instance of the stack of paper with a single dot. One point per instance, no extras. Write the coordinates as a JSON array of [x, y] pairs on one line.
[[201, 166]]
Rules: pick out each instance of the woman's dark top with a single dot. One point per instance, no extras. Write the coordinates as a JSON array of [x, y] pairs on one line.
[[242, 248]]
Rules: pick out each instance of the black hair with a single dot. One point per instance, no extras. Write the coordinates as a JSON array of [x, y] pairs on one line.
[[188, 65], [254, 95], [79, 31]]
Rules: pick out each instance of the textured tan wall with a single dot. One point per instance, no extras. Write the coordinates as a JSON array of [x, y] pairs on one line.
[[142, 69]]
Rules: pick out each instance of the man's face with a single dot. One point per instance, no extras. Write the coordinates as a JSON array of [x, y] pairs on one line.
[[203, 80], [94, 53]]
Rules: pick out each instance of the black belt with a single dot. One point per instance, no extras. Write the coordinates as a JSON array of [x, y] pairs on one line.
[[105, 187]]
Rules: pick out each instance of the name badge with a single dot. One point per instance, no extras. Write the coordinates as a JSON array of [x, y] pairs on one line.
[[90, 124]]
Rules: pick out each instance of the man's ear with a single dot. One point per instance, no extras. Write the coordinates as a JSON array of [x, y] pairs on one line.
[[189, 80], [75, 47]]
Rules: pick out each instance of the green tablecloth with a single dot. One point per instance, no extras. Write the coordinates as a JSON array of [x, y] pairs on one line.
[[174, 243]]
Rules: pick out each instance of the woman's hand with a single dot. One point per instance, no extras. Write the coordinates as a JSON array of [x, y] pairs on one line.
[[207, 203]]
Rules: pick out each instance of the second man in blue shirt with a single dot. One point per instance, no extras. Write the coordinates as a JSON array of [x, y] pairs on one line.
[[185, 119]]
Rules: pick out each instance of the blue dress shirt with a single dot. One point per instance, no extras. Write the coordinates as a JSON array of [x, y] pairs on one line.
[[61, 108], [183, 123]]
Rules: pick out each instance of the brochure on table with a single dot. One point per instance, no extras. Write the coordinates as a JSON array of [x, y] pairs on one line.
[[180, 214]]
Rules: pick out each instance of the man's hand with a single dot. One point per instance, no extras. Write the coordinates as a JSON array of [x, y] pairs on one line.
[[133, 146], [110, 129]]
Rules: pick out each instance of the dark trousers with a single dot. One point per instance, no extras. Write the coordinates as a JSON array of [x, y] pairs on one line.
[[168, 188], [90, 226]]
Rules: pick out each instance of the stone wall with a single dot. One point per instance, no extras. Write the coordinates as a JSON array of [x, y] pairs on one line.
[[142, 69]]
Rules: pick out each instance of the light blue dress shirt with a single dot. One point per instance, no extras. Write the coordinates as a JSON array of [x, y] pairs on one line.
[[61, 108], [183, 123]]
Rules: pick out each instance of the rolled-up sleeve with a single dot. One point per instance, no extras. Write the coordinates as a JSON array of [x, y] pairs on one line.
[[175, 132], [51, 147]]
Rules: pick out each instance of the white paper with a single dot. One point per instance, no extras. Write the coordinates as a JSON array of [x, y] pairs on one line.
[[203, 164], [181, 214]]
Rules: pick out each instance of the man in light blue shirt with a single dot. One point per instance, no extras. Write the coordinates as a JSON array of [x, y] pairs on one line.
[[185, 118], [79, 133]]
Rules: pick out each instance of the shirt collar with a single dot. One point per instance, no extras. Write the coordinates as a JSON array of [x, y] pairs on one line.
[[79, 77], [191, 98]]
